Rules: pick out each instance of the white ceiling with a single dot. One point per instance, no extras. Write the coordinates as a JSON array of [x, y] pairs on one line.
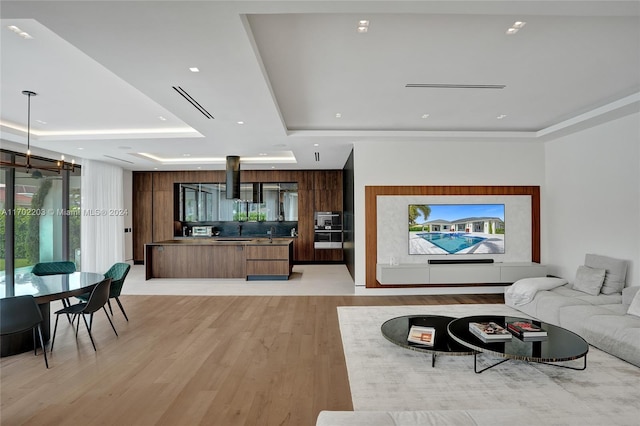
[[104, 72]]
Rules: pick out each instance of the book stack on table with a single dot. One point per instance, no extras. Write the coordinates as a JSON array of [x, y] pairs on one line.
[[489, 332], [420, 335], [527, 331]]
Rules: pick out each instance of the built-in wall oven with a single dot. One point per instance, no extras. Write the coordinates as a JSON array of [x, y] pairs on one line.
[[328, 230]]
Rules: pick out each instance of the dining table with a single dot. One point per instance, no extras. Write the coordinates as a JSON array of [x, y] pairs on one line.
[[45, 289]]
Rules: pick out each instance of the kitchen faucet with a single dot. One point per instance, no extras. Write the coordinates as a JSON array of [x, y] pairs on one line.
[[271, 230], [240, 230]]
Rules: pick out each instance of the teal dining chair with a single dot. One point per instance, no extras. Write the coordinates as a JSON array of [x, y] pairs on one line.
[[53, 268], [118, 272]]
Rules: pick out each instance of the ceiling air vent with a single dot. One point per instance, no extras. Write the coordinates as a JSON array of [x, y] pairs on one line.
[[119, 159], [192, 101], [317, 156], [455, 86]]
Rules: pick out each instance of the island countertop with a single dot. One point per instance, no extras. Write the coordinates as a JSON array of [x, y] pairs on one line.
[[205, 241], [220, 257]]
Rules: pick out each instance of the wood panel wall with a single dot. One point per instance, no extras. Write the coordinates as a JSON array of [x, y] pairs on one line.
[[371, 215], [153, 204]]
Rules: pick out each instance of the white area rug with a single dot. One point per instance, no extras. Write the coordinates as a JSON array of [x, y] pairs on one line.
[[386, 377]]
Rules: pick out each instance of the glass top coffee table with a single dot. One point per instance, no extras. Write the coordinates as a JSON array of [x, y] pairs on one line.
[[559, 346], [396, 331]]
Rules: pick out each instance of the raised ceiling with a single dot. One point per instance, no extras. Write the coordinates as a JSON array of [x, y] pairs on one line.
[[303, 80]]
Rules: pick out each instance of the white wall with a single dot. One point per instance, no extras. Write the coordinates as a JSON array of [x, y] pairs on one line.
[[592, 197], [127, 178], [512, 162]]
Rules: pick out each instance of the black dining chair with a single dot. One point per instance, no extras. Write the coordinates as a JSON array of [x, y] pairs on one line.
[[96, 301], [19, 314], [118, 272]]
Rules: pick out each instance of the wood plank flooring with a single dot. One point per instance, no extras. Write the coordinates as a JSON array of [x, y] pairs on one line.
[[197, 360]]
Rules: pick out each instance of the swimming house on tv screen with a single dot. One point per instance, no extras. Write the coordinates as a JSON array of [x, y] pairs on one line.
[[456, 229]]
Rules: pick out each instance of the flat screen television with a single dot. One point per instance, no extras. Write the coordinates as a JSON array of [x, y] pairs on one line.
[[456, 229]]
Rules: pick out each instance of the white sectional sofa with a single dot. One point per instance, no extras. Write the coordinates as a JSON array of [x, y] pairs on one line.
[[599, 313]]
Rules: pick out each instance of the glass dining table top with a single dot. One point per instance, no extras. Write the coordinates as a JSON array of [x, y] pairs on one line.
[[52, 287]]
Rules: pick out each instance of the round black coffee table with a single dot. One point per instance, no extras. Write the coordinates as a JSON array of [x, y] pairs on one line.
[[396, 331], [559, 346]]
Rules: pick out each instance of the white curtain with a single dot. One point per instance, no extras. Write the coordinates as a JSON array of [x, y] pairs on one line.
[[102, 223]]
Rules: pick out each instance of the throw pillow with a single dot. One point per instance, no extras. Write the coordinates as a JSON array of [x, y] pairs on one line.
[[634, 307], [615, 275], [589, 280]]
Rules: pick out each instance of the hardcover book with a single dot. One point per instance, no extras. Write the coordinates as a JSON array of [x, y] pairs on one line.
[[489, 331], [526, 330], [422, 335]]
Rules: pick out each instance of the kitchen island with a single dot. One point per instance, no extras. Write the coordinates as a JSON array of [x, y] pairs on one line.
[[247, 258]]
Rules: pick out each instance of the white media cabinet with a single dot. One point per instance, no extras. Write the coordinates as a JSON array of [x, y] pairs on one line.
[[473, 273]]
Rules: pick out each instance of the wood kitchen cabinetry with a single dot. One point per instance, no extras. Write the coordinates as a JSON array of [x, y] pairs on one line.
[[153, 204], [249, 259], [268, 261]]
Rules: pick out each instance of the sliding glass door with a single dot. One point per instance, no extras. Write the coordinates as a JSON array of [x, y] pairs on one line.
[[40, 220]]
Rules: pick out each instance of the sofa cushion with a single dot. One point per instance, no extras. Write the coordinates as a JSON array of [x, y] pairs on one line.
[[484, 417], [616, 271], [628, 293], [613, 333], [634, 307], [589, 280]]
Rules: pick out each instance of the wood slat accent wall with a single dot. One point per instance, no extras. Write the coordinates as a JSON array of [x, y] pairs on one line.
[[371, 215]]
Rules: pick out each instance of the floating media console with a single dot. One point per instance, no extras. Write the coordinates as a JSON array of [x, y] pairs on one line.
[[457, 274], [458, 261]]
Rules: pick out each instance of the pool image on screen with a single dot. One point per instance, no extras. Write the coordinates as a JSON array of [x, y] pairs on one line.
[[456, 229]]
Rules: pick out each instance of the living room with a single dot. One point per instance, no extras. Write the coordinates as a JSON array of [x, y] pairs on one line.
[[281, 359]]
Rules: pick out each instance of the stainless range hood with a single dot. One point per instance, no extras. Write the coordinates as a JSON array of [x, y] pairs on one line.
[[233, 177]]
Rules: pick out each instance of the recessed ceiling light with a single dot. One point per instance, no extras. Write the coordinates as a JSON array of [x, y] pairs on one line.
[[338, 115], [80, 148], [262, 154], [194, 69], [273, 167], [515, 27], [363, 23], [155, 168], [362, 29], [425, 116], [240, 122], [501, 116], [186, 155], [161, 118], [21, 33], [316, 144]]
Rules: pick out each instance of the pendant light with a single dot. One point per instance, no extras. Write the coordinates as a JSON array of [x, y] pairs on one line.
[[60, 164], [29, 94]]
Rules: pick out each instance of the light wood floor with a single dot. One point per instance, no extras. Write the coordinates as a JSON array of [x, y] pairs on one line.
[[215, 360]]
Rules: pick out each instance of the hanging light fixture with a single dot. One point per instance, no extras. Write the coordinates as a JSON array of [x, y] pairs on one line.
[[29, 94], [60, 164]]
